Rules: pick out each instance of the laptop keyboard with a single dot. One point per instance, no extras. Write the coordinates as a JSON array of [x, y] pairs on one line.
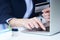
[[39, 29]]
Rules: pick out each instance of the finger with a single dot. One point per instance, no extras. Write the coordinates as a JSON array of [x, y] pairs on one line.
[[46, 16], [34, 23], [27, 26], [31, 24], [43, 15], [48, 20], [40, 23]]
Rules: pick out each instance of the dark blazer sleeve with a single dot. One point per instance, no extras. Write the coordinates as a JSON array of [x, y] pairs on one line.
[[39, 1], [5, 10]]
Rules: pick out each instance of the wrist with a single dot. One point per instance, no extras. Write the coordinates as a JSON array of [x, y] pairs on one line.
[[12, 21], [15, 22]]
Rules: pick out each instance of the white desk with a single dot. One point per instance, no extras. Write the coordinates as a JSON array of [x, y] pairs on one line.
[[24, 36]]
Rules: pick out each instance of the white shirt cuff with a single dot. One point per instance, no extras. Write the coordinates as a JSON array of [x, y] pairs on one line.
[[8, 20]]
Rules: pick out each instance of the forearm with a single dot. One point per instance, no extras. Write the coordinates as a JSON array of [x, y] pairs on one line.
[[3, 18], [5, 11]]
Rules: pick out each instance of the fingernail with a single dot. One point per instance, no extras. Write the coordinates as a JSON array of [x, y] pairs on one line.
[[44, 29], [36, 26]]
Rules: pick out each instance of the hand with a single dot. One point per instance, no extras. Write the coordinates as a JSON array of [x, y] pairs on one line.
[[27, 23], [46, 14]]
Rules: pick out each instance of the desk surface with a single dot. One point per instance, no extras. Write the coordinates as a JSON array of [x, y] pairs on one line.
[[24, 36]]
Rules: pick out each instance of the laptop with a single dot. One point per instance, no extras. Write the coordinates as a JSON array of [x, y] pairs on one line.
[[54, 21]]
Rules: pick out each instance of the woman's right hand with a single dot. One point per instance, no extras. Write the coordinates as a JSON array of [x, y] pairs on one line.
[[27, 23]]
